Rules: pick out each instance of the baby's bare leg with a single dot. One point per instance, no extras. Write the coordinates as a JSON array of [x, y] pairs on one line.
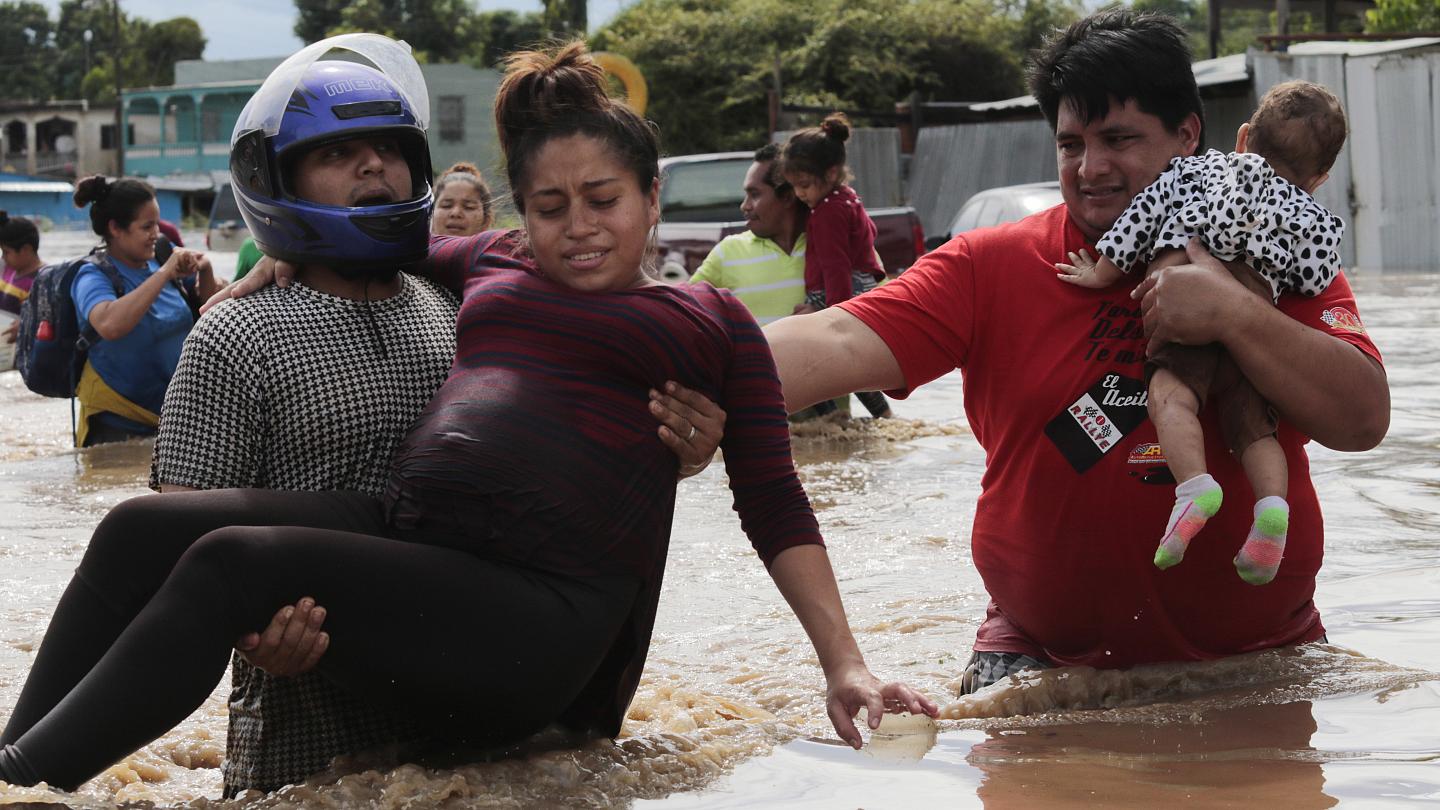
[[1249, 424], [1175, 410], [1265, 466], [1178, 385]]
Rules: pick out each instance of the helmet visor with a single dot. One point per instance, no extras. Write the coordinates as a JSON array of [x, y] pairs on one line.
[[267, 106]]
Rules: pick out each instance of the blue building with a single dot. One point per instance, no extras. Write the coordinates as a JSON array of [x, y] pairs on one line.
[[41, 199], [178, 137], [51, 202]]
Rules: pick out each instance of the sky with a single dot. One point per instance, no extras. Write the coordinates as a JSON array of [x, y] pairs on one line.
[[256, 28]]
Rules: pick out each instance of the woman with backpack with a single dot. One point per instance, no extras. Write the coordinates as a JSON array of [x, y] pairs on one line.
[[140, 308]]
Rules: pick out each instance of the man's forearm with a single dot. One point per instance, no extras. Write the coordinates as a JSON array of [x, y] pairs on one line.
[[1329, 389], [829, 353]]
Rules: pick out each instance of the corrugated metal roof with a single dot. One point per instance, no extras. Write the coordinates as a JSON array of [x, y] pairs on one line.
[[1230, 69], [181, 182], [32, 186], [1360, 48]]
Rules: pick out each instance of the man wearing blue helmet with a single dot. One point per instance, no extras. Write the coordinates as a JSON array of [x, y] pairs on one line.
[[310, 387]]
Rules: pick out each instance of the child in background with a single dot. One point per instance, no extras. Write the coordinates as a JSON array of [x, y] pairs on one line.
[[19, 247], [840, 258], [1252, 205], [462, 202]]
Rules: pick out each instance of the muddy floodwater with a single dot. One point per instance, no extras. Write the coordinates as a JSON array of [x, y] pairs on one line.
[[730, 713]]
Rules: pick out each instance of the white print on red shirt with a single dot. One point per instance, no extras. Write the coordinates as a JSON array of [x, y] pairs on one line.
[[1094, 423]]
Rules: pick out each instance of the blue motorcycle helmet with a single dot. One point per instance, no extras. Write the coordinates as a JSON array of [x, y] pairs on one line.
[[308, 102]]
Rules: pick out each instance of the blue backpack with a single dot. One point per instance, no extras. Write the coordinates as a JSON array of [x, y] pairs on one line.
[[52, 346]]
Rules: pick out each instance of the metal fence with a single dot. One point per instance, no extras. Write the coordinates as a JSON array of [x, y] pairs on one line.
[[952, 163], [873, 156]]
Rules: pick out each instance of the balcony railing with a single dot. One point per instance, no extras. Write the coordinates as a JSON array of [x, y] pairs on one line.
[[178, 157]]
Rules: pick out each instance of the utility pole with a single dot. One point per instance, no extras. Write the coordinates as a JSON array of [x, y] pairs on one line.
[[119, 102]]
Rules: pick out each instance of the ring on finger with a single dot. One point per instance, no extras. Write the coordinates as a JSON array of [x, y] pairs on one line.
[[691, 436]]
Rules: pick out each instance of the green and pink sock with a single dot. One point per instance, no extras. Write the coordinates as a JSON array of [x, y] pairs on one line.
[[1259, 558], [1196, 501]]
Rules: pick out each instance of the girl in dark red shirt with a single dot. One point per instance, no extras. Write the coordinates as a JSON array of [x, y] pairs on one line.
[[840, 257]]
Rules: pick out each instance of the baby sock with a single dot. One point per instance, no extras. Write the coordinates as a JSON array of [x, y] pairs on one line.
[[1259, 558], [1196, 501]]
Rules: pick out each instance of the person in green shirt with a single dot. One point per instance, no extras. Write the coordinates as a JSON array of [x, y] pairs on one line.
[[765, 266], [249, 255]]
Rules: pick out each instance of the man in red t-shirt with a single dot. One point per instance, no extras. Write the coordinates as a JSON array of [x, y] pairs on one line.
[[1075, 482]]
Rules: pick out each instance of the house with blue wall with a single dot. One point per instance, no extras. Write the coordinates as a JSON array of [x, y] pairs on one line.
[[51, 204], [178, 137]]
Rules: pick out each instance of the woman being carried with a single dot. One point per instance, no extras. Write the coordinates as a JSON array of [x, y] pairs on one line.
[[508, 578]]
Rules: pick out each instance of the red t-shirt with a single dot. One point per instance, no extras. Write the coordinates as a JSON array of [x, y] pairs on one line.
[[1076, 493], [839, 240]]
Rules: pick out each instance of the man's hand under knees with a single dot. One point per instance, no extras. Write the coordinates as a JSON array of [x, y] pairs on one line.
[[690, 425], [293, 642]]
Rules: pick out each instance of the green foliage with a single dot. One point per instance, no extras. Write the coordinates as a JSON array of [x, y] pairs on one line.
[[710, 63], [565, 17], [438, 30], [48, 61], [497, 33], [25, 40], [315, 18], [1239, 28], [1403, 15]]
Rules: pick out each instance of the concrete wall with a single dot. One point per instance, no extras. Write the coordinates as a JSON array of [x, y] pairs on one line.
[[88, 158], [873, 156]]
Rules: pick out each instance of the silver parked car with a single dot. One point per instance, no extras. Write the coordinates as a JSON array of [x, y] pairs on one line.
[[996, 206]]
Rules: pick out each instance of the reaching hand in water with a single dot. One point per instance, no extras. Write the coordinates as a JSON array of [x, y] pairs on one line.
[[293, 642], [848, 692]]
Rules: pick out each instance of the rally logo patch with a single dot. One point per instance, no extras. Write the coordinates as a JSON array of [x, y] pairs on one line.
[[1094, 424], [1146, 453], [1342, 320]]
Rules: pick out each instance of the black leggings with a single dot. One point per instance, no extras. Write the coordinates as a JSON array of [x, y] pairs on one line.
[[479, 652]]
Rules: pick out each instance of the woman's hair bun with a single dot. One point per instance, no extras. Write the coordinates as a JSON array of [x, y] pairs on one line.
[[92, 188], [463, 167], [542, 88], [836, 126]]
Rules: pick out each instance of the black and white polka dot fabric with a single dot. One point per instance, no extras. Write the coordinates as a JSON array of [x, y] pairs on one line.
[[1240, 209], [295, 389]]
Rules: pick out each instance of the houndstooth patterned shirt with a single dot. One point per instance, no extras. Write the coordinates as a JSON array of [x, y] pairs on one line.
[[294, 389]]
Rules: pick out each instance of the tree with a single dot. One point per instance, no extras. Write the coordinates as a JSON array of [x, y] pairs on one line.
[[315, 18], [44, 60], [566, 17], [851, 54], [437, 30], [169, 41], [502, 32], [26, 50], [1403, 15]]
